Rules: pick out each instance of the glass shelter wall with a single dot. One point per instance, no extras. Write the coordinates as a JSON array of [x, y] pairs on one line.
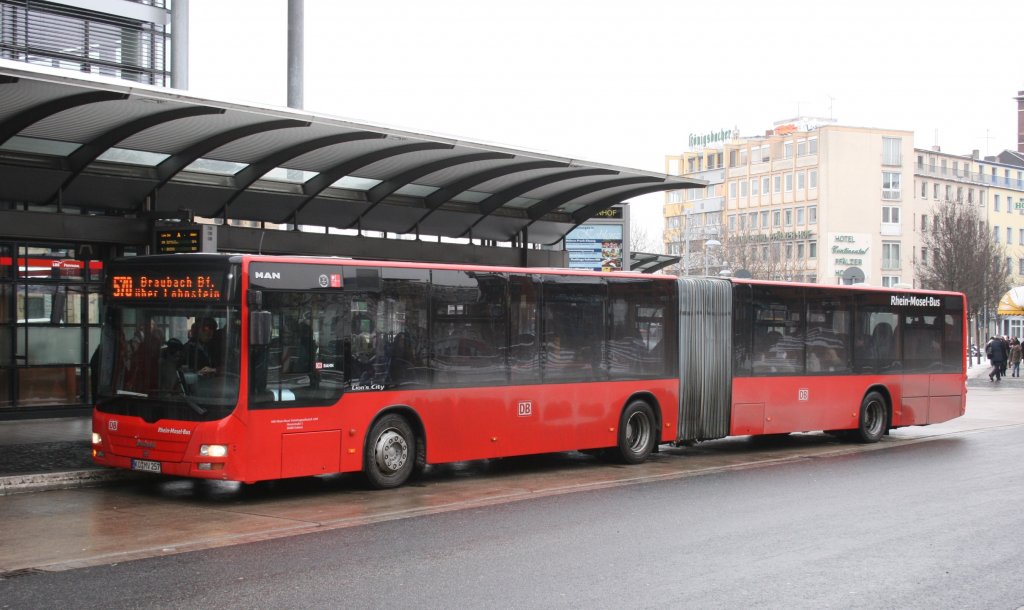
[[49, 326]]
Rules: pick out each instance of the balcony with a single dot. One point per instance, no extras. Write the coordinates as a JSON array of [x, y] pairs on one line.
[[891, 228]]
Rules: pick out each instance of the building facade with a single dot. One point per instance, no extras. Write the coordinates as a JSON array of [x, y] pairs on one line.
[[811, 201]]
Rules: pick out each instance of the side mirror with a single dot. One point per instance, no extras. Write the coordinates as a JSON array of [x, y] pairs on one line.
[[259, 327]]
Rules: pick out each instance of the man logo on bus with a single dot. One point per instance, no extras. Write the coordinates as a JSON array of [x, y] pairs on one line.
[[525, 408], [803, 394], [112, 425]]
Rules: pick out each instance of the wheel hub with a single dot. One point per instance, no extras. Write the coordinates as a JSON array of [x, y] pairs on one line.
[[391, 451]]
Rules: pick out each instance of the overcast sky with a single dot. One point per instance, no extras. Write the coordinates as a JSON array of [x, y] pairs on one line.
[[626, 82]]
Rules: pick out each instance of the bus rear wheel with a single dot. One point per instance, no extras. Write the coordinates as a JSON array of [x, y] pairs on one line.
[[637, 433], [391, 453], [873, 419]]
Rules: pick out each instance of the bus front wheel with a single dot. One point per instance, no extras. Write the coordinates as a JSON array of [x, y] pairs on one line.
[[637, 433], [873, 419], [390, 452]]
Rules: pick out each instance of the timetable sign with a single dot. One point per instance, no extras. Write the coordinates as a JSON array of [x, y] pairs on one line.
[[193, 238]]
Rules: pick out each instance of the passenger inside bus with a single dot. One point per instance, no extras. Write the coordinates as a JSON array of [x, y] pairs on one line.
[[202, 352]]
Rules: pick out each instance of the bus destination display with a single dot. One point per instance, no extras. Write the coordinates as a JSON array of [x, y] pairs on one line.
[[172, 287]]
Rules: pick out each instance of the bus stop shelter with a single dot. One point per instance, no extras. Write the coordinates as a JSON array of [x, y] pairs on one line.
[[117, 156]]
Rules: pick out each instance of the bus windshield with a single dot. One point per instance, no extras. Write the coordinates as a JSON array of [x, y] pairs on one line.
[[163, 362]]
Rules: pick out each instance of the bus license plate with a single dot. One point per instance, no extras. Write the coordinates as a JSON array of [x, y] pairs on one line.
[[146, 466]]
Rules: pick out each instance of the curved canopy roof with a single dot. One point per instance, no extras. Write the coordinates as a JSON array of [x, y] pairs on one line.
[[110, 146], [1012, 303]]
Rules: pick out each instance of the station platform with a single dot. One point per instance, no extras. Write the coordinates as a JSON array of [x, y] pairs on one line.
[[41, 454]]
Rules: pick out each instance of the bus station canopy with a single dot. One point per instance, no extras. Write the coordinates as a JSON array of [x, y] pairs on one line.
[[116, 148], [1012, 303]]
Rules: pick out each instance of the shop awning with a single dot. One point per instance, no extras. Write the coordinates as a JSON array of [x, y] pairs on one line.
[[1012, 303]]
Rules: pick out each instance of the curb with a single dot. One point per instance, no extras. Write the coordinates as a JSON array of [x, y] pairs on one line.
[[47, 481]]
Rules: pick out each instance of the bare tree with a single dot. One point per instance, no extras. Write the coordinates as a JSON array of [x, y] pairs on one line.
[[767, 256], [640, 239], [963, 256]]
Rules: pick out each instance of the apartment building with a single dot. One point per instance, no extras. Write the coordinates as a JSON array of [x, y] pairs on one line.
[[693, 217], [812, 201]]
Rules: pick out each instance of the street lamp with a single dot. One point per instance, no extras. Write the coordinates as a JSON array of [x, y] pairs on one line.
[[711, 243]]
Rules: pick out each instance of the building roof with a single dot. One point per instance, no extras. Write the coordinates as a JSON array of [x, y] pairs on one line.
[[111, 146]]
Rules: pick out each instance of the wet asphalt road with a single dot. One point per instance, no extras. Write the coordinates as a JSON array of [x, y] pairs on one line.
[[936, 524]]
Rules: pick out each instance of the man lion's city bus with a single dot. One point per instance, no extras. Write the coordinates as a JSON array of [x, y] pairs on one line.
[[249, 368]]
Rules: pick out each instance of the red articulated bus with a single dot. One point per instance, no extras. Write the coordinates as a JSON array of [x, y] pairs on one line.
[[249, 368]]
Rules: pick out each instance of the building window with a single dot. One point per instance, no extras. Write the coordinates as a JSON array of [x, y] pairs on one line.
[[890, 214], [890, 255], [743, 188], [970, 196], [936, 189], [675, 196], [812, 178], [777, 184], [789, 182], [890, 281], [995, 233], [801, 180], [924, 190], [799, 216], [743, 157], [765, 185], [753, 220], [776, 218], [1009, 236], [753, 187], [800, 250], [812, 249], [801, 148], [812, 144], [764, 219], [1020, 267], [891, 185], [732, 190], [924, 256], [949, 192], [924, 223], [995, 203], [812, 214], [789, 218], [959, 194], [787, 150], [732, 222], [891, 148]]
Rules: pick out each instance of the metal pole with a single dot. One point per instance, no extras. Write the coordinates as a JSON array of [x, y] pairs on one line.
[[179, 44], [686, 243], [296, 49]]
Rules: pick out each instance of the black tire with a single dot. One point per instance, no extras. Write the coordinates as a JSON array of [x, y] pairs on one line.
[[874, 419], [390, 455], [638, 432]]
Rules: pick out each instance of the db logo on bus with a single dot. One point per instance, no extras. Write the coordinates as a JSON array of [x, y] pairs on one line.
[[525, 408]]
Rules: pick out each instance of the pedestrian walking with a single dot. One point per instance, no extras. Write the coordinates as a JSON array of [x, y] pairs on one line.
[[1016, 352], [997, 353]]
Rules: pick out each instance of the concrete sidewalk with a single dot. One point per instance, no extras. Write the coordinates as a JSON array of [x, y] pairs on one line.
[[40, 454], [43, 454]]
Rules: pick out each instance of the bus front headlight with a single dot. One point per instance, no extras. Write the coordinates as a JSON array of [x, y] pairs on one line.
[[213, 450], [96, 438]]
